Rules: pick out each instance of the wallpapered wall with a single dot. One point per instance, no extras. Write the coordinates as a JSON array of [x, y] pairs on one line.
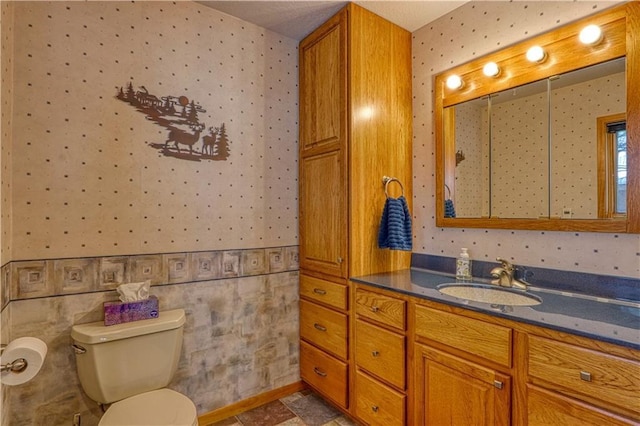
[[88, 178], [93, 193], [6, 78], [466, 33]]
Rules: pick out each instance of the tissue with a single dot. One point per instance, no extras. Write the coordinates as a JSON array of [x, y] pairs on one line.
[[135, 304], [132, 292]]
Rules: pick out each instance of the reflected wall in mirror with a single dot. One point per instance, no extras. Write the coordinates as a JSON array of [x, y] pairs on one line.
[[535, 152], [551, 145]]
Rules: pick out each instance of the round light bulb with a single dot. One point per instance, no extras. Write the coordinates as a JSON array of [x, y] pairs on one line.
[[591, 34], [536, 54], [491, 69], [454, 82]]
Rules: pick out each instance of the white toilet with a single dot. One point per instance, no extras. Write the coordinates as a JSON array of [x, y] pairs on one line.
[[128, 365]]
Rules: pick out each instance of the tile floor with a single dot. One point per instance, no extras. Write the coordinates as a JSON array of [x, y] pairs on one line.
[[303, 408]]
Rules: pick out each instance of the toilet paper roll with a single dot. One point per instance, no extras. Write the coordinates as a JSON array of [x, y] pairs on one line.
[[31, 350]]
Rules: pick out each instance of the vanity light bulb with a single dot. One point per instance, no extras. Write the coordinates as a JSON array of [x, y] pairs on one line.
[[591, 34], [491, 69], [536, 54], [454, 82]]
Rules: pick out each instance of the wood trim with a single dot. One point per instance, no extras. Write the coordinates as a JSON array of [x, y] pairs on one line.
[[606, 209], [633, 117], [250, 403]]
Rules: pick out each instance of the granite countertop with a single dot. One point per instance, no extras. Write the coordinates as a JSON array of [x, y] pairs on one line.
[[599, 318]]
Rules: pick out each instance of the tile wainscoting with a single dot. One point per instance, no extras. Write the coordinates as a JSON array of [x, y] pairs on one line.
[[240, 337], [44, 278]]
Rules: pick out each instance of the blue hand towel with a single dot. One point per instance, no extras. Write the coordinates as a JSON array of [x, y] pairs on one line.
[[449, 210], [395, 225]]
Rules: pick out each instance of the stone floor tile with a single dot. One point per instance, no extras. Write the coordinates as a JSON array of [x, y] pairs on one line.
[[296, 421], [313, 410], [270, 414]]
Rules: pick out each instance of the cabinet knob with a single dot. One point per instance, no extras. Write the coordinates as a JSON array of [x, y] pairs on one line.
[[319, 372], [498, 384], [374, 408], [586, 376], [319, 291], [319, 327], [340, 260], [375, 354], [374, 309]]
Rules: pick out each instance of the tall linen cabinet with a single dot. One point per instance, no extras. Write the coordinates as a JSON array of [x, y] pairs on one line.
[[355, 128]]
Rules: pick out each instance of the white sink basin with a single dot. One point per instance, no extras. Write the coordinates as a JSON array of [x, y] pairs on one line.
[[487, 293]]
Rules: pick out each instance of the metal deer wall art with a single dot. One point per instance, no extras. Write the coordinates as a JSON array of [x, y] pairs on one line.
[[179, 115]]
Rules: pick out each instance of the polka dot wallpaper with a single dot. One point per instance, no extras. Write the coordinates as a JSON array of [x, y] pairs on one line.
[[88, 178], [6, 63], [468, 32], [574, 113], [472, 177]]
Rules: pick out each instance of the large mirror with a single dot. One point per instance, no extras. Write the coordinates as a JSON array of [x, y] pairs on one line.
[[536, 151], [549, 145]]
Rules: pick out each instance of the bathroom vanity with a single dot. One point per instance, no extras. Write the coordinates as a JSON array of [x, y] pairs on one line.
[[482, 364]]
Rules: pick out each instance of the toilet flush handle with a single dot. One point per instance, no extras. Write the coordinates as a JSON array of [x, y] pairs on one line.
[[79, 350]]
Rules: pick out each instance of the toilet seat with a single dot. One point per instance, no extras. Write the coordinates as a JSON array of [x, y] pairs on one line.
[[162, 407]]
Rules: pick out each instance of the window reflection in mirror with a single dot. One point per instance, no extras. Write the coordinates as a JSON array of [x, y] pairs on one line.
[[580, 100], [540, 150]]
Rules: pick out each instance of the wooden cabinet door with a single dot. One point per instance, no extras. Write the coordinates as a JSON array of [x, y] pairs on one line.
[[455, 392], [323, 87], [323, 214]]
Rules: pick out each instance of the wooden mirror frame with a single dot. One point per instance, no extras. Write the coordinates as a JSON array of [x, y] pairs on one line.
[[621, 37]]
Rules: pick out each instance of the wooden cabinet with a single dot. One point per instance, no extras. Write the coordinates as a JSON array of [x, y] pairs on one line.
[[325, 373], [456, 380], [419, 362], [453, 391], [479, 338], [571, 383], [380, 358], [355, 128]]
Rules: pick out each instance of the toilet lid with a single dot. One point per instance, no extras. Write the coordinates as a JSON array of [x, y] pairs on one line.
[[162, 407]]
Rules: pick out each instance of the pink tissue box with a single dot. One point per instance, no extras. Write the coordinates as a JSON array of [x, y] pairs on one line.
[[119, 312]]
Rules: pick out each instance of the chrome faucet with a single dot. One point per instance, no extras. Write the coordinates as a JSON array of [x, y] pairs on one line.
[[504, 275]]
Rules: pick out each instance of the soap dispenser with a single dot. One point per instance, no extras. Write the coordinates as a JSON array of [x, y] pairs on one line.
[[463, 266]]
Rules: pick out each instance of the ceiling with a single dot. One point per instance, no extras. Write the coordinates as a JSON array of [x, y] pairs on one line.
[[297, 18]]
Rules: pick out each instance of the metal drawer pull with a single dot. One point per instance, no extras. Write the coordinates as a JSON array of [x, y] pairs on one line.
[[498, 384], [374, 408], [320, 327], [585, 376], [319, 372], [319, 291], [375, 354], [374, 309]]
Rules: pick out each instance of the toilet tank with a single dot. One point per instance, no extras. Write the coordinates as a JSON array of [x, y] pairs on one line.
[[118, 361]]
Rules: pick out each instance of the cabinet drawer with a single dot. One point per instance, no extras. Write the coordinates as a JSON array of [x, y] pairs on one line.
[[384, 309], [327, 374], [322, 291], [378, 404], [324, 327], [576, 370], [489, 341], [381, 353], [549, 408]]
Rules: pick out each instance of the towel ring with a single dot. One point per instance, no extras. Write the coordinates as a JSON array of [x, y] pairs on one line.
[[448, 190], [387, 180]]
